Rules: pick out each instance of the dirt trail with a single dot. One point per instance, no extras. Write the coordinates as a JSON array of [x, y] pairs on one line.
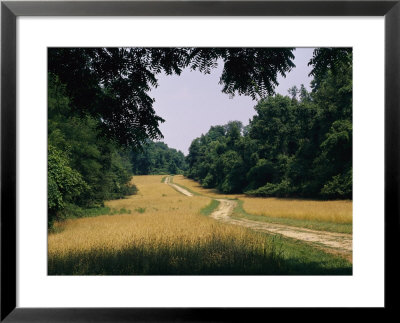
[[337, 243], [178, 188]]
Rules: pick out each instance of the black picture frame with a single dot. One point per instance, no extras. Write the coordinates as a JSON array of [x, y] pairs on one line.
[[10, 10]]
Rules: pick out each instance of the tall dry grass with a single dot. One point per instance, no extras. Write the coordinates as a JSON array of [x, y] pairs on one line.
[[163, 234], [196, 187], [326, 211], [340, 211]]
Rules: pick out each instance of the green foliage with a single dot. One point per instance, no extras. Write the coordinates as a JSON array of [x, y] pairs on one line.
[[282, 189], [338, 142], [84, 168], [326, 60], [340, 186], [114, 83], [298, 146], [64, 183], [217, 158], [157, 158], [262, 171]]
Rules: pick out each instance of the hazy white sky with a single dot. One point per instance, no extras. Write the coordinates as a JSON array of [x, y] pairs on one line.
[[193, 102]]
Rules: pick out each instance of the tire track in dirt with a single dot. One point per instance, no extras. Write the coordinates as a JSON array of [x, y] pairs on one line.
[[337, 243], [176, 187]]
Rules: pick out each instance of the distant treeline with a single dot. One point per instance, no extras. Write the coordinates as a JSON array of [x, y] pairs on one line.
[[157, 158], [295, 146]]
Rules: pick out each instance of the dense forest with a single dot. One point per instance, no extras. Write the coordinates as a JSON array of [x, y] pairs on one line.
[[157, 158], [85, 168], [102, 125], [295, 146]]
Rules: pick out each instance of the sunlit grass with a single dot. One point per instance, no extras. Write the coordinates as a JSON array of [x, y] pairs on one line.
[[166, 233], [240, 213], [197, 188], [340, 211], [169, 236], [157, 213], [325, 211]]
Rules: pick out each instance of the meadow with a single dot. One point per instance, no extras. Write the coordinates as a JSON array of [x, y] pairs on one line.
[[167, 233], [335, 216], [164, 234]]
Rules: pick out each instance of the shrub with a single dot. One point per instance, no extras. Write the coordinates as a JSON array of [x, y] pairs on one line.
[[340, 186], [282, 189]]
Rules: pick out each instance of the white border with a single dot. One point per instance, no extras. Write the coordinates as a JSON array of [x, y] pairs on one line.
[[364, 288]]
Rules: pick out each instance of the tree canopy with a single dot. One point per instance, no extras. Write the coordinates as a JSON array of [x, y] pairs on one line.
[[112, 84], [295, 146]]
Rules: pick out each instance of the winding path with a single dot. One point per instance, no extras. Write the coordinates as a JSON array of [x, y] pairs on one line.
[[176, 187], [338, 243]]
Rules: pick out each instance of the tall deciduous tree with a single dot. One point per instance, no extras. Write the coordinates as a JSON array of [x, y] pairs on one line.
[[294, 146], [84, 168], [112, 84]]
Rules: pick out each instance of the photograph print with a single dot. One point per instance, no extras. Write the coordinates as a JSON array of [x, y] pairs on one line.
[[200, 161]]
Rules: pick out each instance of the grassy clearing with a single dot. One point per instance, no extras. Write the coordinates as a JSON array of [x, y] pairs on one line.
[[239, 213], [333, 216], [171, 237]]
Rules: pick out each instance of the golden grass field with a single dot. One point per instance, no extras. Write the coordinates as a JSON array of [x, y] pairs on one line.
[[162, 210], [340, 211], [327, 211], [164, 233], [196, 187]]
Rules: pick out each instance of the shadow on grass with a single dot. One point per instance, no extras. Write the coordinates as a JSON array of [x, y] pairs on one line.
[[213, 258]]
